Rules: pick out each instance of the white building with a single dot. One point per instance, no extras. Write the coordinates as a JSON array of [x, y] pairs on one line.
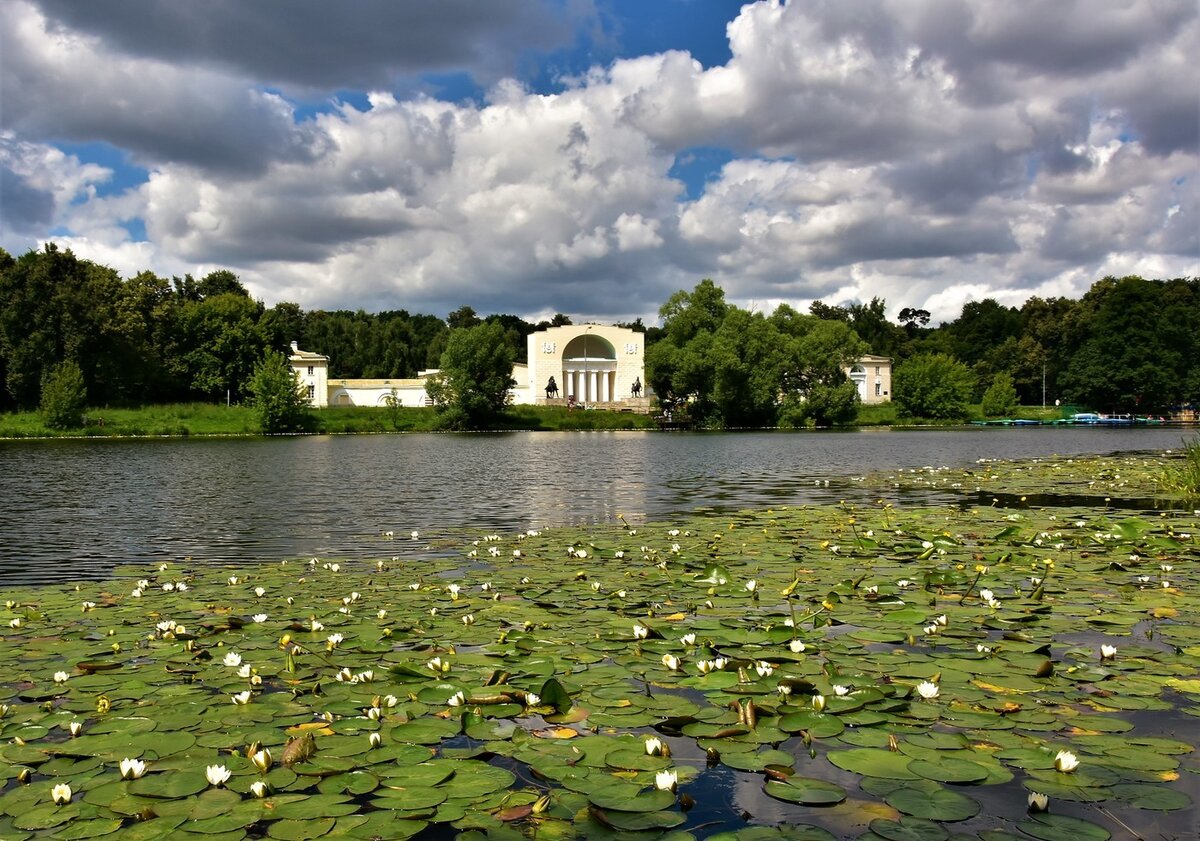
[[591, 363], [872, 376]]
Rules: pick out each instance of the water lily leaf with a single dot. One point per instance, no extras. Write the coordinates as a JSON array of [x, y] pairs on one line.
[[1152, 797], [908, 829], [948, 770], [172, 785], [939, 805], [629, 797], [1053, 827], [299, 830], [873, 763], [807, 791]]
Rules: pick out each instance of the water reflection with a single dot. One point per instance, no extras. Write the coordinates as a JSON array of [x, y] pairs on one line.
[[74, 509]]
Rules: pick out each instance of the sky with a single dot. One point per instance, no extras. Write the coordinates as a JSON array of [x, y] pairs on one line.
[[592, 157]]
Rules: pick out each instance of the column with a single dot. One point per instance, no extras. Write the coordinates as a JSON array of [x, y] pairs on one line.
[[603, 395]]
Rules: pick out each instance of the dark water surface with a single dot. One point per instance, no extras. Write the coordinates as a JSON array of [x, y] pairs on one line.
[[74, 509]]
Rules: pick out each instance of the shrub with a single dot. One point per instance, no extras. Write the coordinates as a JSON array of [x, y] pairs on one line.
[[933, 385], [64, 397], [278, 401], [1001, 396]]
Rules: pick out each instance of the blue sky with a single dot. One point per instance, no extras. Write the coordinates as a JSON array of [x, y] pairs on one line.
[[594, 156]]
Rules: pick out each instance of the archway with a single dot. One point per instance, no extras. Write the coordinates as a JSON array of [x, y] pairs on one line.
[[589, 372], [858, 376]]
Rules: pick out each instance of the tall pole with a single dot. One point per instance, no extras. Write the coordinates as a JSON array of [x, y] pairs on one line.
[[1043, 385]]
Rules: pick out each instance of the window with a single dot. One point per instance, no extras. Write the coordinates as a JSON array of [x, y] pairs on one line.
[[310, 370], [312, 392], [876, 370], [877, 387]]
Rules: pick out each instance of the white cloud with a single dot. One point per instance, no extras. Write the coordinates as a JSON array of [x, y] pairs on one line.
[[917, 151]]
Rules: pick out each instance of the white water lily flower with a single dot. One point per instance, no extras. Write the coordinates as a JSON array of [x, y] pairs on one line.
[[260, 591], [374, 740], [61, 677], [671, 662], [132, 769], [752, 585], [705, 666], [1108, 652], [437, 664], [261, 759], [365, 676], [382, 614], [532, 699], [796, 646], [390, 700], [1038, 802], [334, 640], [259, 618], [720, 663], [903, 583], [232, 659], [640, 632], [414, 534], [763, 668], [932, 629], [818, 702], [15, 623], [784, 689], [596, 586], [942, 620], [666, 780], [982, 649], [217, 775], [168, 587], [457, 699], [688, 639], [374, 713], [61, 794], [618, 554], [233, 579], [872, 590], [469, 619], [75, 728], [181, 586], [654, 746], [242, 698], [1065, 761], [454, 590], [315, 625], [344, 675], [927, 690], [88, 606], [259, 789], [987, 595], [840, 690]]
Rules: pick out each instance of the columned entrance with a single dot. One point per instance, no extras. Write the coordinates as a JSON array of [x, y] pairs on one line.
[[589, 371]]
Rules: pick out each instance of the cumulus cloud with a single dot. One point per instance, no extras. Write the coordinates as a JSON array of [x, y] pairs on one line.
[[928, 152], [321, 45]]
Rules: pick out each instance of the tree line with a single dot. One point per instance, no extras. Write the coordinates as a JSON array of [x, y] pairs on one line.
[[1128, 344]]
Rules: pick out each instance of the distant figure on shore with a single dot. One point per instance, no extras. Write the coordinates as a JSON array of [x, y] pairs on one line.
[[637, 387], [551, 389], [570, 401]]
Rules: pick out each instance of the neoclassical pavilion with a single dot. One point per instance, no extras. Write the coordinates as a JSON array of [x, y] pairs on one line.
[[592, 363]]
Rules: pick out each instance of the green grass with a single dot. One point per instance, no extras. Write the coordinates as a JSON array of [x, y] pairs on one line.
[[1183, 477], [200, 419]]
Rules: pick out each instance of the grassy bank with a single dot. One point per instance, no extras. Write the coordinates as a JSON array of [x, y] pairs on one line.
[[200, 419]]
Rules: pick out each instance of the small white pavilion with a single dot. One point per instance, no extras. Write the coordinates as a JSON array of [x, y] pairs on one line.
[[592, 364]]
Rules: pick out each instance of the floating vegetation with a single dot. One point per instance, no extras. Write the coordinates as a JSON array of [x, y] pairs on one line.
[[835, 671]]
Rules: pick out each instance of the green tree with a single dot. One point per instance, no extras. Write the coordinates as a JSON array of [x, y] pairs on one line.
[[277, 397], [473, 385], [1001, 396], [64, 397], [934, 386]]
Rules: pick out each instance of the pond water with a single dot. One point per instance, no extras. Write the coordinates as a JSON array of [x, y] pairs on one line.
[[75, 509]]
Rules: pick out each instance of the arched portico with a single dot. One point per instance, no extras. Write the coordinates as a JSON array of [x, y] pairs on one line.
[[858, 376], [589, 369]]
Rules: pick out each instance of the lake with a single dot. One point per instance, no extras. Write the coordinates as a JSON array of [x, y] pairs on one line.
[[75, 508]]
